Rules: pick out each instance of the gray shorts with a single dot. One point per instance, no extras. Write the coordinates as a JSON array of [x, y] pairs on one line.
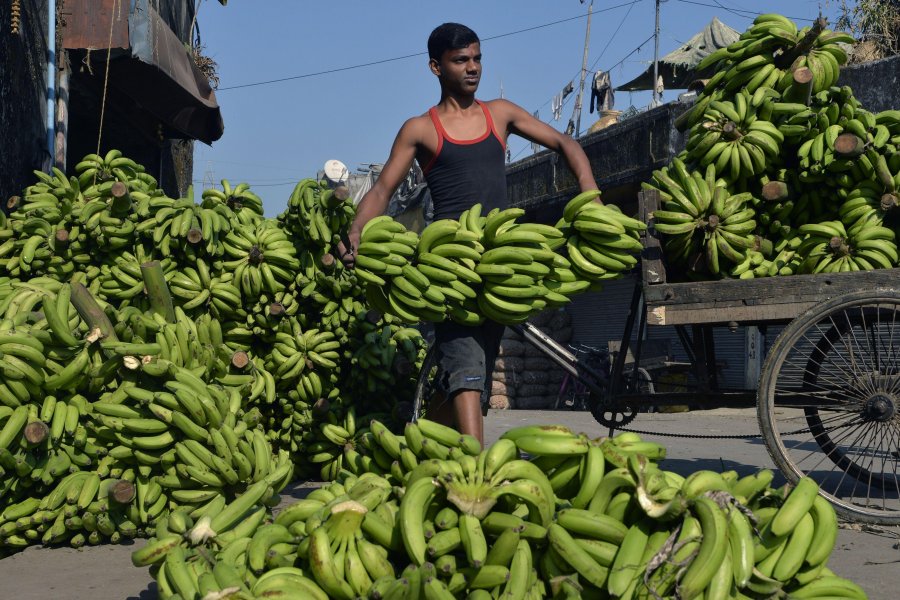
[[465, 357]]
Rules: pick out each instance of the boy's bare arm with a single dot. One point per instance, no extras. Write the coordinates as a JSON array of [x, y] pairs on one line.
[[376, 200], [520, 122]]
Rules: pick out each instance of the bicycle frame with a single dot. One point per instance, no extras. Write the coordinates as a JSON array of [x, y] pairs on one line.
[[565, 358]]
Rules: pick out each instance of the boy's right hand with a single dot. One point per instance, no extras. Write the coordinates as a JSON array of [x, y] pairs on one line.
[[346, 249]]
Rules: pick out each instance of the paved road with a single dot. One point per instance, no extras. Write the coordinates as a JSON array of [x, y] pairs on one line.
[[869, 556]]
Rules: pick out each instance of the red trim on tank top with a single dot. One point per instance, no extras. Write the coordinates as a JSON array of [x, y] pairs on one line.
[[490, 122], [432, 112], [442, 133]]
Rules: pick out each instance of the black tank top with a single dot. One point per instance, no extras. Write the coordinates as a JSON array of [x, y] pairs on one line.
[[464, 172]]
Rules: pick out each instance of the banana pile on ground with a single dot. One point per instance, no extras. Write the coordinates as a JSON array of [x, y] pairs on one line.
[[798, 159], [185, 350], [101, 434], [579, 518], [490, 266]]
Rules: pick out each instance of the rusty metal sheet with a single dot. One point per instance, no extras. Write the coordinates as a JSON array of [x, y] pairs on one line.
[[87, 24]]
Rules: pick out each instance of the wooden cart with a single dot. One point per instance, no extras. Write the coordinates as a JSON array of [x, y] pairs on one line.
[[828, 400]]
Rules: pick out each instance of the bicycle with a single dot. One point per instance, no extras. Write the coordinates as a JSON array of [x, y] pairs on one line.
[[573, 393]]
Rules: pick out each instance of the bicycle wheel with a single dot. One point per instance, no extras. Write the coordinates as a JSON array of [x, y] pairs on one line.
[[425, 387], [564, 396], [641, 384], [829, 403]]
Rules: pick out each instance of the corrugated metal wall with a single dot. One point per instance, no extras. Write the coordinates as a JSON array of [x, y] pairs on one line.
[[598, 318]]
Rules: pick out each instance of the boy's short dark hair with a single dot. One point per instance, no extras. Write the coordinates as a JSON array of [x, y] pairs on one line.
[[449, 36]]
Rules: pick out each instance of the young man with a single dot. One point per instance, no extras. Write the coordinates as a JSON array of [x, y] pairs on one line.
[[461, 146]]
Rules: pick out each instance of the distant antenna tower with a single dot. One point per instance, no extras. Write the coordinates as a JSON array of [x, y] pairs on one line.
[[208, 177]]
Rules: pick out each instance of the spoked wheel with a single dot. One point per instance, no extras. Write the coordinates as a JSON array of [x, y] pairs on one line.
[[641, 384], [829, 403], [425, 386]]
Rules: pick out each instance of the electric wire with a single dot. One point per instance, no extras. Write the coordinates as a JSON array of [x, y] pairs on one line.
[[612, 37], [254, 185], [624, 58], [734, 11], [737, 10], [405, 56]]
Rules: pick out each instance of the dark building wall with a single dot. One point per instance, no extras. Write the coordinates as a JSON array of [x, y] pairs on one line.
[[23, 83], [621, 156], [23, 94], [874, 83], [125, 128]]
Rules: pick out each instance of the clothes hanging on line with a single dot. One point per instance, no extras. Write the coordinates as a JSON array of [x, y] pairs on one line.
[[556, 106], [556, 103], [602, 92], [535, 147]]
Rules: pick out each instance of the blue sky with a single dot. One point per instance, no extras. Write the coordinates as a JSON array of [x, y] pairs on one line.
[[278, 133]]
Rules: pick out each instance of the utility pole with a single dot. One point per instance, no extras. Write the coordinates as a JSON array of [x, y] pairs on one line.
[[656, 100], [587, 40]]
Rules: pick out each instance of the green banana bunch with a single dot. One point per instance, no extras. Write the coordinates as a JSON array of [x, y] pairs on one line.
[[734, 139], [384, 237], [109, 167], [472, 268], [517, 259], [601, 242], [442, 276], [167, 398], [386, 355], [703, 224], [770, 50], [812, 153], [325, 448], [318, 215], [245, 206], [264, 259], [829, 247]]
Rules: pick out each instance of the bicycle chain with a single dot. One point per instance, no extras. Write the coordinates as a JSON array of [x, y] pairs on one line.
[[749, 436], [700, 436]]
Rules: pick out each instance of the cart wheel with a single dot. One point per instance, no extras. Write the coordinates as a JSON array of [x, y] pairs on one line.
[[829, 402], [425, 387]]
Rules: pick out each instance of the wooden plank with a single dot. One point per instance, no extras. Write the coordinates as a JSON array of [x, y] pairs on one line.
[[87, 24], [652, 266], [742, 315], [769, 290]]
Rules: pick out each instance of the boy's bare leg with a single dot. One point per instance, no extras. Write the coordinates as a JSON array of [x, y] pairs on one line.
[[463, 413], [467, 413], [440, 410]]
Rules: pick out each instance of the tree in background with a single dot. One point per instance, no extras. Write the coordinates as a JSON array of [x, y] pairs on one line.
[[875, 23]]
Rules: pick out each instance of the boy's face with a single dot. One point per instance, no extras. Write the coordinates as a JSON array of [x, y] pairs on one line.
[[460, 70]]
